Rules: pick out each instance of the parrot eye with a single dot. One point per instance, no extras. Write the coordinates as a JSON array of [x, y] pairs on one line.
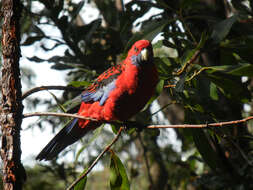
[[136, 49]]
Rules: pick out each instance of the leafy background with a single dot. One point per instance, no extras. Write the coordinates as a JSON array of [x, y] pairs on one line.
[[216, 86]]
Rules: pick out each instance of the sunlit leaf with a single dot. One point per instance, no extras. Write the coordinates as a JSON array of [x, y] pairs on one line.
[[158, 44], [58, 102], [79, 83]]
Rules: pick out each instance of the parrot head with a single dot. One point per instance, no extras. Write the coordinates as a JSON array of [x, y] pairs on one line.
[[141, 53]]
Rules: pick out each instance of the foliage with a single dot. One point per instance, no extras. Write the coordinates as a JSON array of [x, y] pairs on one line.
[[118, 176], [207, 89]]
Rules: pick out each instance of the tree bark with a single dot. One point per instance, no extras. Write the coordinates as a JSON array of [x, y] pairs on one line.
[[11, 106]]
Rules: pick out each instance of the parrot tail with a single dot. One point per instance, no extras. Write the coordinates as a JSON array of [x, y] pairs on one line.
[[67, 136]]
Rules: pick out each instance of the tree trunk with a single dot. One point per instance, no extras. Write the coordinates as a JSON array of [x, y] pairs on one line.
[[11, 105]]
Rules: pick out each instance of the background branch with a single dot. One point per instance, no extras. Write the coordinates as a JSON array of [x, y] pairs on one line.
[[96, 160], [51, 87], [57, 114], [132, 124]]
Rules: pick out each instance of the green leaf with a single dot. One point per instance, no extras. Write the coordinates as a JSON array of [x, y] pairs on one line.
[[31, 40], [213, 91], [187, 55], [82, 183], [227, 84], [243, 70], [36, 59], [61, 66], [169, 44], [158, 44], [222, 29], [115, 128], [149, 32], [164, 67], [58, 102], [118, 175], [237, 70], [79, 83], [206, 148], [86, 31], [180, 84], [159, 87], [202, 41]]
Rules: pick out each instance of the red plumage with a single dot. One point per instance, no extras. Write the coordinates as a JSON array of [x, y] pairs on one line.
[[117, 94]]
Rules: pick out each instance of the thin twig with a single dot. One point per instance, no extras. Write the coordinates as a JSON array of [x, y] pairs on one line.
[[193, 58], [128, 124], [197, 73], [57, 114], [170, 86], [96, 160], [220, 124], [40, 88]]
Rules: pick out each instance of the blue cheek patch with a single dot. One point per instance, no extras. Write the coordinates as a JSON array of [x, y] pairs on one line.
[[100, 95], [136, 59]]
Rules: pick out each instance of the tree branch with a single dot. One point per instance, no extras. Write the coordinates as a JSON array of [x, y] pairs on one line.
[[96, 160], [57, 114], [51, 87], [131, 124], [207, 125]]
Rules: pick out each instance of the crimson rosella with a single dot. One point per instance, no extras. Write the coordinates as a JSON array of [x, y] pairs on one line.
[[117, 94]]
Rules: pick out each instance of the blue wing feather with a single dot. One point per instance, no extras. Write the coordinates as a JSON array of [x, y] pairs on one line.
[[106, 91], [100, 94], [68, 135]]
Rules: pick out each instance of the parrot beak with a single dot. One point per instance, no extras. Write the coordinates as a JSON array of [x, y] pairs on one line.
[[144, 54]]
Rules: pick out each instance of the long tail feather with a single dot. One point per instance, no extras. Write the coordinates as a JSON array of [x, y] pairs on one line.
[[67, 136]]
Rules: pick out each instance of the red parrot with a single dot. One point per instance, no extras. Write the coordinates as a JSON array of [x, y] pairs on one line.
[[117, 94]]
